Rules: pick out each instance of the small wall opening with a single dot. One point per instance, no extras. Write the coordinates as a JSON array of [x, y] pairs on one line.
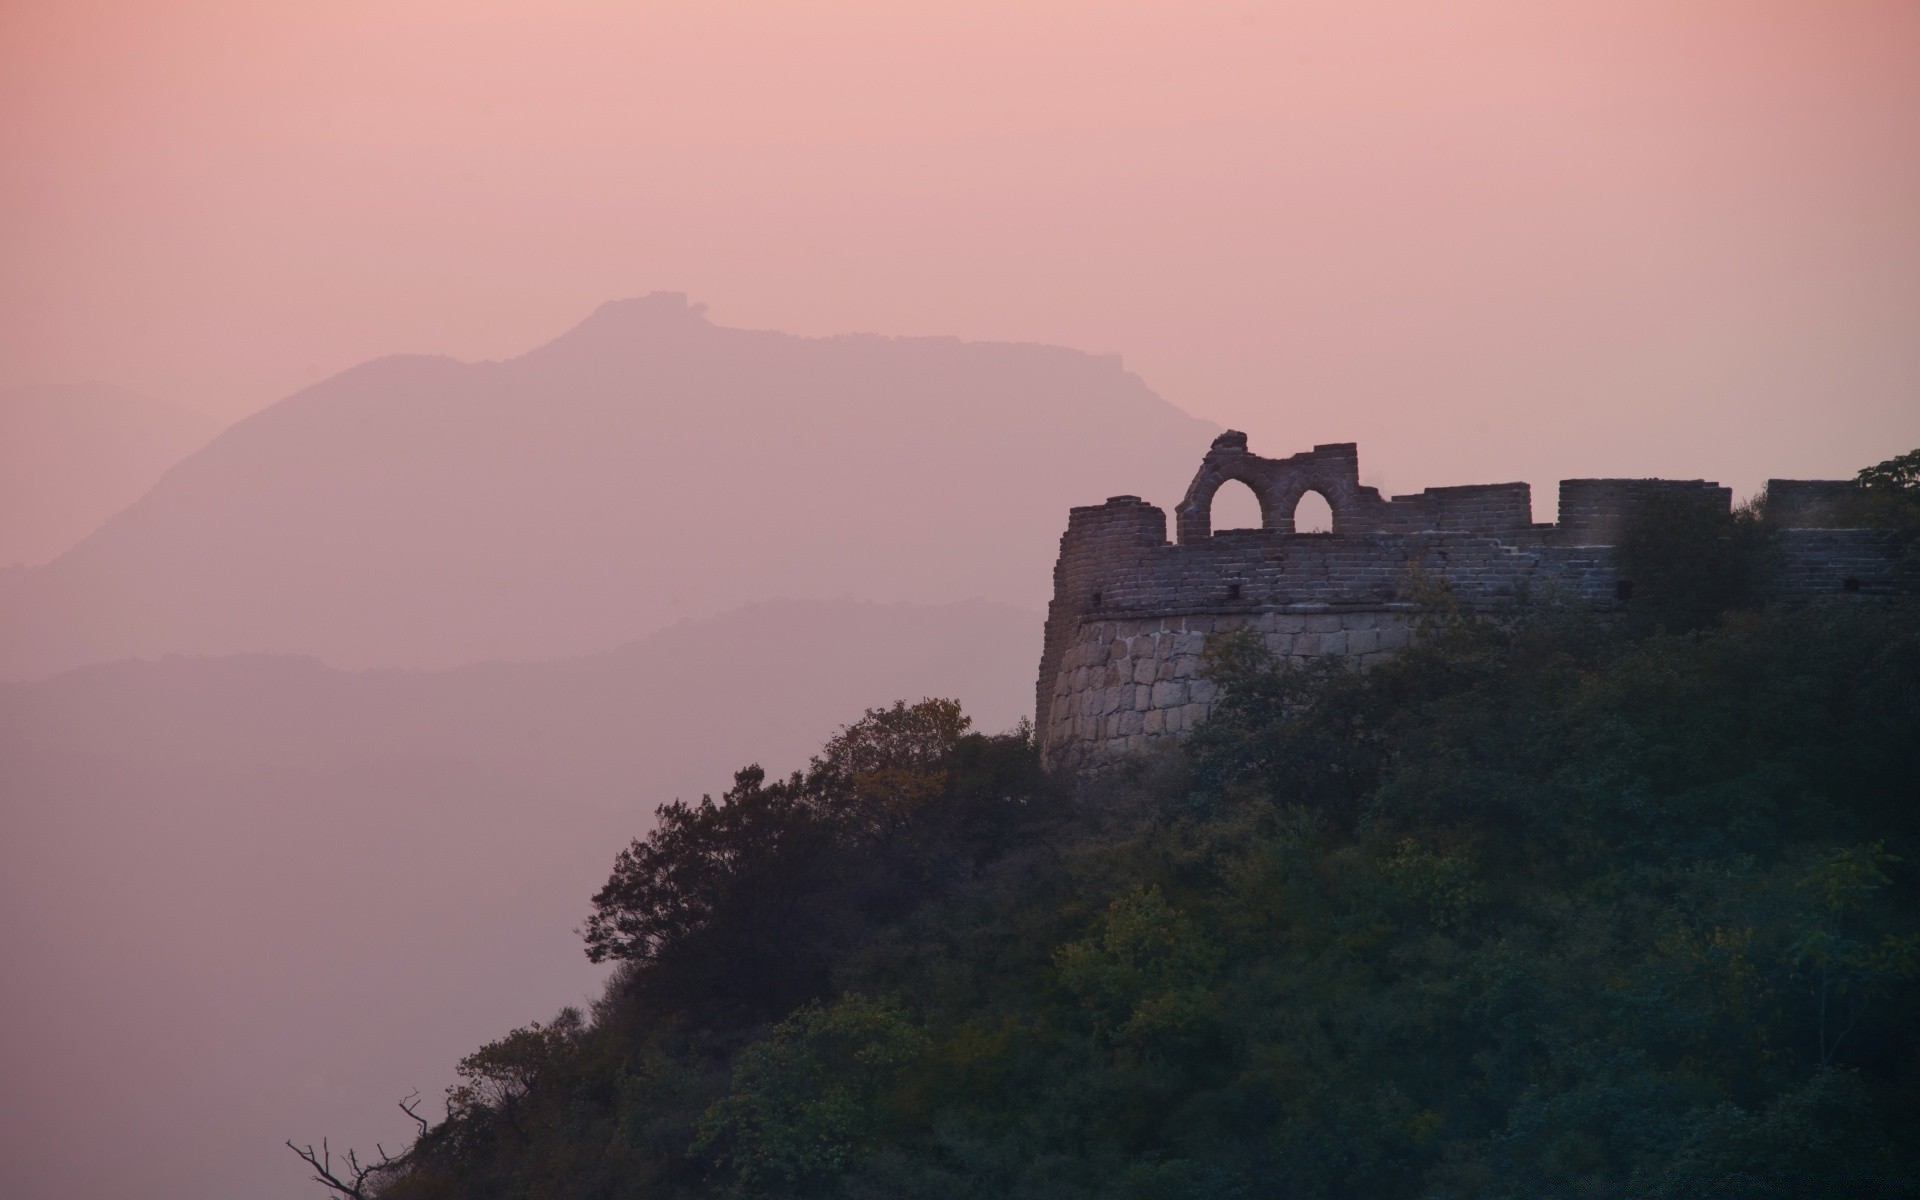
[[1236, 507], [1313, 514]]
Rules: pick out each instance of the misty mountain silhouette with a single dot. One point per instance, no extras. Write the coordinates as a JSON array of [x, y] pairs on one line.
[[304, 892], [644, 467], [73, 455]]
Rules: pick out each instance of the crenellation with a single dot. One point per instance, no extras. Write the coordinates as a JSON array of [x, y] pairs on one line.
[[1593, 511], [1131, 612]]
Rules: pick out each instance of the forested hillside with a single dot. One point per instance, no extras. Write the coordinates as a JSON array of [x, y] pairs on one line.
[[1545, 906]]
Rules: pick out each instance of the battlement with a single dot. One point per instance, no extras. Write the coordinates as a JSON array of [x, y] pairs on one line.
[[1131, 612]]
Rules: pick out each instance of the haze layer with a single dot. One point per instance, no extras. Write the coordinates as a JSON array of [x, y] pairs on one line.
[[647, 466]]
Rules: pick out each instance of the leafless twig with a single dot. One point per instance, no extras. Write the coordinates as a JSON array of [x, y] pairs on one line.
[[351, 1182], [410, 1105]]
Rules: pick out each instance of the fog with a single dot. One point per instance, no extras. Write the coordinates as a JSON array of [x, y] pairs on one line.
[[433, 435], [250, 898]]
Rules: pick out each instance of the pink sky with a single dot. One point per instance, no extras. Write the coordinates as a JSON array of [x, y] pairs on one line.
[[1487, 240]]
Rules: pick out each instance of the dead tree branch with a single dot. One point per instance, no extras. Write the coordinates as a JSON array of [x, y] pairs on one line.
[[410, 1105], [351, 1182]]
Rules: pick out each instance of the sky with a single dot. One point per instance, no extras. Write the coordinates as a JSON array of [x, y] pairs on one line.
[[1487, 240]]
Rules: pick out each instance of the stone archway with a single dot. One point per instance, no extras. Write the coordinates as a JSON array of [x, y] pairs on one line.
[[1332, 470], [1313, 513]]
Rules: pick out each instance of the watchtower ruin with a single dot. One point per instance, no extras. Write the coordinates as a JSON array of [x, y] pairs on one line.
[[1120, 670]]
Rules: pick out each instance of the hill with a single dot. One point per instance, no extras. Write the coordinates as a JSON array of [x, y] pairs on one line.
[[645, 467], [1548, 908], [241, 897], [72, 456]]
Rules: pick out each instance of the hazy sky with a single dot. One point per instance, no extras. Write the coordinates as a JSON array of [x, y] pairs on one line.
[[1487, 240], [1526, 239]]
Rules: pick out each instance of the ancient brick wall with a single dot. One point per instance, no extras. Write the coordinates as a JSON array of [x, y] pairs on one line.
[[1131, 612]]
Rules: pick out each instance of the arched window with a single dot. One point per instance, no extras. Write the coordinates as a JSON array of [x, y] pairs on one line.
[[1313, 514], [1236, 507]]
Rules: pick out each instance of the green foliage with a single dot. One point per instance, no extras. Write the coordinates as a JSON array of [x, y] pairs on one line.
[[496, 1078], [1688, 561], [744, 904], [1548, 907], [1890, 500], [1145, 974], [878, 772], [1850, 963], [810, 1100]]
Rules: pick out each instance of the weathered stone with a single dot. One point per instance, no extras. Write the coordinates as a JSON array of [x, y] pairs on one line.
[[1110, 685]]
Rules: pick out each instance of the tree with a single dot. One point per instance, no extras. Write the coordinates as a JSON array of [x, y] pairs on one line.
[[499, 1076], [1848, 967], [1689, 561], [879, 772], [1890, 500], [728, 898], [743, 903], [1144, 974], [808, 1101], [353, 1179]]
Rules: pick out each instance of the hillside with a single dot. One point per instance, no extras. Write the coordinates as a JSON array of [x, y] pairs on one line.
[[646, 467], [72, 456], [1546, 908], [241, 897]]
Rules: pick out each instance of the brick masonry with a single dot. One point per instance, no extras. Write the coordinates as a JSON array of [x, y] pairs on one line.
[[1131, 612]]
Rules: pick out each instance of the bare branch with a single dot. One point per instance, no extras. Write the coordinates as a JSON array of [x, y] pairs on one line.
[[352, 1184], [409, 1105], [322, 1164]]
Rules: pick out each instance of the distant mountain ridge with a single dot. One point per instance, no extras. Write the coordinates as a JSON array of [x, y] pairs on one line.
[[73, 455], [677, 684], [644, 467]]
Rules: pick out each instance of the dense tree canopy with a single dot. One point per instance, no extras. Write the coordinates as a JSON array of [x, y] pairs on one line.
[[1890, 499], [1543, 906]]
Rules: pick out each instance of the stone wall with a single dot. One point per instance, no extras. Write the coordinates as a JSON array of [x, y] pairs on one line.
[[1128, 683], [1130, 612]]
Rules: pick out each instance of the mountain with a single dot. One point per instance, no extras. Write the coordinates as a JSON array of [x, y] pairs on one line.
[[249, 898], [72, 456], [647, 466]]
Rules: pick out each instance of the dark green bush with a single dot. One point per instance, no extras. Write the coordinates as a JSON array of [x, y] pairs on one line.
[[1689, 562]]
